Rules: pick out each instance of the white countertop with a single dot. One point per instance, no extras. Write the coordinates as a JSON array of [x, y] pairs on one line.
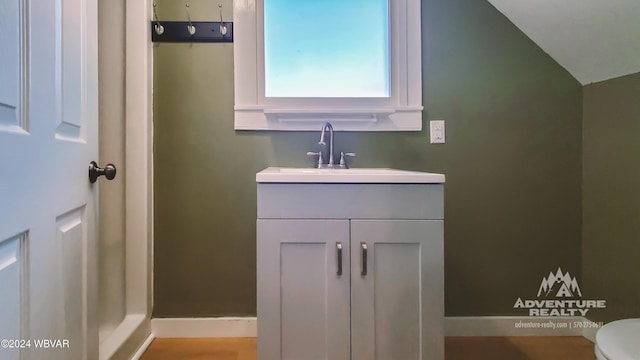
[[355, 175]]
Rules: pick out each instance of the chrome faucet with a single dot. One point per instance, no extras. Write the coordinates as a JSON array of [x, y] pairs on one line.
[[323, 131], [330, 164]]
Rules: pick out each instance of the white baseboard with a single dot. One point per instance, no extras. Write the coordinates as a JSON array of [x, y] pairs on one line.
[[518, 326], [204, 327], [454, 326], [126, 338], [590, 332], [143, 347]]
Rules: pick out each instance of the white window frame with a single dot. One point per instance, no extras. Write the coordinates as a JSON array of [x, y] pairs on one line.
[[402, 111]]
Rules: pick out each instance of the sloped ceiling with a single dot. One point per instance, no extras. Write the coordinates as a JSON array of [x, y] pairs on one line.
[[594, 40]]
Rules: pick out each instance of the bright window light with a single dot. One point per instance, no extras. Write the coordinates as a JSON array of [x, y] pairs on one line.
[[326, 48]]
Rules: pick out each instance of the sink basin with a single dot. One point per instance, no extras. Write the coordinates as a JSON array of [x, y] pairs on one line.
[[355, 175]]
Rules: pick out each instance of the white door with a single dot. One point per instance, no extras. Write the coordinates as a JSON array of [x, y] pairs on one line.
[[48, 136]]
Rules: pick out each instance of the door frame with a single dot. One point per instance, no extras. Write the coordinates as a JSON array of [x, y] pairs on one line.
[[135, 330]]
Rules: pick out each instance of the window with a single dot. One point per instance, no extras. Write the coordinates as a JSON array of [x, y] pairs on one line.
[[356, 63], [324, 49]]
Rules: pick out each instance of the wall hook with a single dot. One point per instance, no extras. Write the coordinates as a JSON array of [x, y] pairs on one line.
[[190, 28], [159, 29], [223, 27], [190, 31]]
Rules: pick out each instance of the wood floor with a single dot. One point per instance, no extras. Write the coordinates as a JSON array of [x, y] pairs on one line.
[[201, 349], [456, 348]]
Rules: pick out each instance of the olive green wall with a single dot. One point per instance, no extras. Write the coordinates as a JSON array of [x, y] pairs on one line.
[[512, 160], [611, 200]]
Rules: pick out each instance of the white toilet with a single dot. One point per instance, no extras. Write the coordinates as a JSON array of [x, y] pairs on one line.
[[619, 340]]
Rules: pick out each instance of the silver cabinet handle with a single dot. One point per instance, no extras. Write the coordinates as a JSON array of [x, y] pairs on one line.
[[339, 248], [363, 245]]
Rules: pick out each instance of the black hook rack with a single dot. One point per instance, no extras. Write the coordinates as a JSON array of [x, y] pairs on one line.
[[191, 31], [205, 32]]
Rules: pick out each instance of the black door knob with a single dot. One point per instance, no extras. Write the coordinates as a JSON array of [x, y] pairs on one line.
[[109, 172]]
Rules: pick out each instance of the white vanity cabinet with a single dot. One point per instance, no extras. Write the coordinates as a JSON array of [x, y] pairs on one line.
[[350, 271]]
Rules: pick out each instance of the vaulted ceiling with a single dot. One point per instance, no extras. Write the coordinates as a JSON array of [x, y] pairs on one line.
[[594, 40]]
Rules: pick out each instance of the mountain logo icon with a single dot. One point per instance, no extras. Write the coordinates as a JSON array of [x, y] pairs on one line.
[[559, 285]]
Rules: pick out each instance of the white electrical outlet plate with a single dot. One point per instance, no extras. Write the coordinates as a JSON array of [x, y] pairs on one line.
[[436, 128]]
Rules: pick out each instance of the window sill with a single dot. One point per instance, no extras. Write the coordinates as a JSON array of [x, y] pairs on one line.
[[408, 118]]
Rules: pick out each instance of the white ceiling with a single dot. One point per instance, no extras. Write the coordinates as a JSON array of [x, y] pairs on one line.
[[594, 40]]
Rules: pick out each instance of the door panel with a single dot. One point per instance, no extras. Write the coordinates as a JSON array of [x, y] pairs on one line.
[[70, 69], [46, 144], [396, 275], [72, 241], [303, 304], [12, 283], [302, 293], [11, 64], [397, 308]]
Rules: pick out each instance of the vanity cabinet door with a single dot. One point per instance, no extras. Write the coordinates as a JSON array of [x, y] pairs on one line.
[[302, 301], [397, 305]]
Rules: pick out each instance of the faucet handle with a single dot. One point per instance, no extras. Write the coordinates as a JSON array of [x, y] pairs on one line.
[[319, 154], [342, 155]]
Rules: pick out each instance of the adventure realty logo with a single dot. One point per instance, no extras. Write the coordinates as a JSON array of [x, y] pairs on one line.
[[567, 294]]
